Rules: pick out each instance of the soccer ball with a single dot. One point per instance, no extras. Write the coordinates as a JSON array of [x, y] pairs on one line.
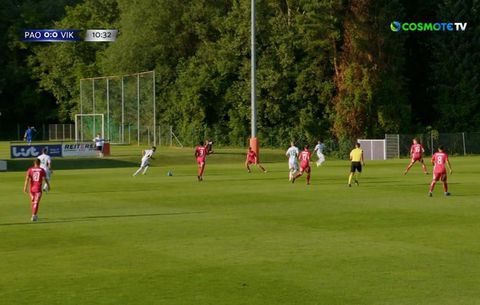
[[169, 174]]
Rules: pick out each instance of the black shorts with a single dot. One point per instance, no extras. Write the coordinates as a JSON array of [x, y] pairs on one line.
[[99, 148], [356, 166]]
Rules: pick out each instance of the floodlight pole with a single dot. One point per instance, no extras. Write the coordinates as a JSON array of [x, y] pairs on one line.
[[253, 73], [253, 138], [154, 111]]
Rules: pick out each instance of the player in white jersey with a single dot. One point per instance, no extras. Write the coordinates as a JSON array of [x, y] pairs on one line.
[[46, 164], [147, 155], [319, 150], [99, 142], [292, 154]]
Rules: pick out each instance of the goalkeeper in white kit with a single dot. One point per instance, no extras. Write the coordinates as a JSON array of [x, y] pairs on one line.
[[147, 155]]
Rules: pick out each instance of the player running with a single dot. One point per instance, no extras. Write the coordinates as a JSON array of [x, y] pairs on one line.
[[416, 153], [292, 154], [147, 155], [304, 158], [439, 159], [252, 159], [319, 150], [356, 156], [46, 164], [34, 177], [201, 155]]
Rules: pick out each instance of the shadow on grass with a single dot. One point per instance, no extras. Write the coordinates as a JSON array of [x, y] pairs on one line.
[[90, 218], [88, 163]]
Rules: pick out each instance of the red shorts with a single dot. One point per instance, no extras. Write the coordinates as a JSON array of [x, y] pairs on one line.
[[417, 158], [305, 168], [440, 176], [201, 161], [35, 197], [251, 161]]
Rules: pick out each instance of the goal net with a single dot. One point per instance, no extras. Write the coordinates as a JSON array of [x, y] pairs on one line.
[[87, 126]]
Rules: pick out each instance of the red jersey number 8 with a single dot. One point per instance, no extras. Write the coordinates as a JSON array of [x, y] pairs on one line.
[[36, 176], [439, 160]]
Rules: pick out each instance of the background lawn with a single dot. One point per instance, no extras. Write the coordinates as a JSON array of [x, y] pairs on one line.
[[105, 237]]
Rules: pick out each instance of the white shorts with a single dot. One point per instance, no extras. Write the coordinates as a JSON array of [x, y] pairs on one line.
[[321, 158], [48, 173], [293, 165], [145, 163]]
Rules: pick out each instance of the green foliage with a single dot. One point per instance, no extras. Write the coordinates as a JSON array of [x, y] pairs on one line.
[[20, 100], [455, 68], [371, 99], [330, 69], [60, 66]]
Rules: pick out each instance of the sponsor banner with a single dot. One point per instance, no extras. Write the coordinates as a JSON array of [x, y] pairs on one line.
[[33, 151], [79, 149]]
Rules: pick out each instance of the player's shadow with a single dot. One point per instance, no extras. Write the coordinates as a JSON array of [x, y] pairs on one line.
[[21, 165], [96, 217]]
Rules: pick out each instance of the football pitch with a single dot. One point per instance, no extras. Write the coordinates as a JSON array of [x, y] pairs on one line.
[[105, 237]]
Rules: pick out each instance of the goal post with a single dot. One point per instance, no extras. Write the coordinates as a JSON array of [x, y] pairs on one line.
[[373, 149], [88, 125]]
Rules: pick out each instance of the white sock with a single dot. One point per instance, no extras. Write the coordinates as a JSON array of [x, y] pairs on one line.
[[145, 170], [138, 171]]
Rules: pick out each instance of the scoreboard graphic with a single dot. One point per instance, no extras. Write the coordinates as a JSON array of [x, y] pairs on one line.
[[68, 35]]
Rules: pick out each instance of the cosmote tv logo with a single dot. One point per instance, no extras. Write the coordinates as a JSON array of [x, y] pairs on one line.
[[397, 26]]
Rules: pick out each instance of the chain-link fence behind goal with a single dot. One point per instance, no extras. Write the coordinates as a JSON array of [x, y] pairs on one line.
[[127, 103]]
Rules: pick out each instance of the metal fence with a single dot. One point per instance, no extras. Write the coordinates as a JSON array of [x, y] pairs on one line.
[[127, 103], [61, 132], [457, 143]]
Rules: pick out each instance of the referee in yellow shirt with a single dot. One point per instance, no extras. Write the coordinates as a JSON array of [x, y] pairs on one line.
[[356, 156]]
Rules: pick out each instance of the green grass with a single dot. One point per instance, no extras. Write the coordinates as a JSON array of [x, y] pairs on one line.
[[105, 237]]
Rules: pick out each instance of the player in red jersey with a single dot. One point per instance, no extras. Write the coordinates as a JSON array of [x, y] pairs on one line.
[[439, 160], [34, 178], [416, 152], [201, 155], [304, 158], [252, 159]]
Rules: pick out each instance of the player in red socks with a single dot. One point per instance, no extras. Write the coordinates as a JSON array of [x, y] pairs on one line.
[[304, 158], [439, 160], [416, 152], [201, 155], [34, 178]]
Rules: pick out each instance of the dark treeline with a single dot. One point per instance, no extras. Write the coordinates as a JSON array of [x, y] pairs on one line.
[[330, 69]]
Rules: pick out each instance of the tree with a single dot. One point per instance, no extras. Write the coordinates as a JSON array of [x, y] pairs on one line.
[[455, 66], [20, 100], [60, 66], [370, 98]]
